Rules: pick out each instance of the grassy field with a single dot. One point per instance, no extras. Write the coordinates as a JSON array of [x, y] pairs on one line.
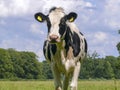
[[48, 85]]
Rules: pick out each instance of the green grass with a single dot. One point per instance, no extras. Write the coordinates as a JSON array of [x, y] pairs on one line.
[[49, 85]]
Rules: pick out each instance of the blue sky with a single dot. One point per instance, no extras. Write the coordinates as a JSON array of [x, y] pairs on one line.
[[98, 20]]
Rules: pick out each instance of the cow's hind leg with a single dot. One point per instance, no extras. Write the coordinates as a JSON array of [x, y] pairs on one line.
[[75, 76], [57, 81]]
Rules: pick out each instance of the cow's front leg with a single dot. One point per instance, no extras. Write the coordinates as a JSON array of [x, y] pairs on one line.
[[75, 76], [66, 82], [56, 74]]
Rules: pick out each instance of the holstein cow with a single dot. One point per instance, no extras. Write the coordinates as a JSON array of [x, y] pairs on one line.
[[65, 46]]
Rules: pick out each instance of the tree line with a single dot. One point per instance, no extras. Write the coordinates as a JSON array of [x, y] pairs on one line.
[[104, 68], [15, 64], [25, 65]]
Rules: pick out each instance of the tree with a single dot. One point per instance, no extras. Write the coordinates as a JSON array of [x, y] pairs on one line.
[[108, 70], [6, 67], [87, 69], [30, 66], [115, 64], [18, 63], [119, 31], [93, 56], [117, 68], [23, 65], [99, 69], [47, 72], [118, 45]]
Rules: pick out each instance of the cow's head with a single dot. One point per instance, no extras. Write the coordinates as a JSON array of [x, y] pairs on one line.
[[56, 23]]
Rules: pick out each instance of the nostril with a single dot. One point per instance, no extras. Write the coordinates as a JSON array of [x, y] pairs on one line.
[[53, 37]]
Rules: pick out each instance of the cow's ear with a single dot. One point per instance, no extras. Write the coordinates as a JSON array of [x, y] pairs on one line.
[[71, 17], [40, 17]]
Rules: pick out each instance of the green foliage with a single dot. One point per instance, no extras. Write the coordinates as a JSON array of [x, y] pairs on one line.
[[107, 68], [118, 45], [6, 67], [14, 64], [47, 70], [25, 65]]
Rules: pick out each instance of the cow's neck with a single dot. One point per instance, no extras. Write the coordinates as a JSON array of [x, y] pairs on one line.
[[64, 46]]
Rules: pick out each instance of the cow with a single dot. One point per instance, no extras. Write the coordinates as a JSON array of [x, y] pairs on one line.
[[65, 47]]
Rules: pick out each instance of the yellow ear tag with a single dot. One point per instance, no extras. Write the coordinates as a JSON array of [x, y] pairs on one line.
[[71, 19], [39, 18]]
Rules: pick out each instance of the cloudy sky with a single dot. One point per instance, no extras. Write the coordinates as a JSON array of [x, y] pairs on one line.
[[98, 20]]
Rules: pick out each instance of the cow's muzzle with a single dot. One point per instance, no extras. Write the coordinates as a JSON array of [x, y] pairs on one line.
[[54, 38]]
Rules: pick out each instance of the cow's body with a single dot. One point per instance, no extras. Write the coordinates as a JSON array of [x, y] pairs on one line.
[[65, 47]]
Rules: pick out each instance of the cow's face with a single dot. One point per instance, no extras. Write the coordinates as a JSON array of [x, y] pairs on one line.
[[56, 23]]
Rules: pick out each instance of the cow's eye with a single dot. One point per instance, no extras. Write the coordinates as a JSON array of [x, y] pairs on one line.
[[62, 21], [62, 24]]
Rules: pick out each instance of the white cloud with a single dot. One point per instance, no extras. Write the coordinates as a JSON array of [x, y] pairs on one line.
[[97, 38], [35, 28], [19, 6], [113, 6], [100, 36], [13, 7], [103, 43], [22, 7], [88, 4], [112, 13], [68, 5], [3, 9]]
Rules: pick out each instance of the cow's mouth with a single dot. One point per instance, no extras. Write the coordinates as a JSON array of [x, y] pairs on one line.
[[53, 41]]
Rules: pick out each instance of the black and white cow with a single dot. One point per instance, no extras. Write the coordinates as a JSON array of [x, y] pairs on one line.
[[65, 46]]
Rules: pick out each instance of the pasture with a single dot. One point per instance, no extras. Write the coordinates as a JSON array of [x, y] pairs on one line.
[[48, 85]]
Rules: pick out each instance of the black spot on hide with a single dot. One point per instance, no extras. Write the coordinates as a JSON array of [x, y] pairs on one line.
[[76, 44], [53, 48], [85, 45]]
